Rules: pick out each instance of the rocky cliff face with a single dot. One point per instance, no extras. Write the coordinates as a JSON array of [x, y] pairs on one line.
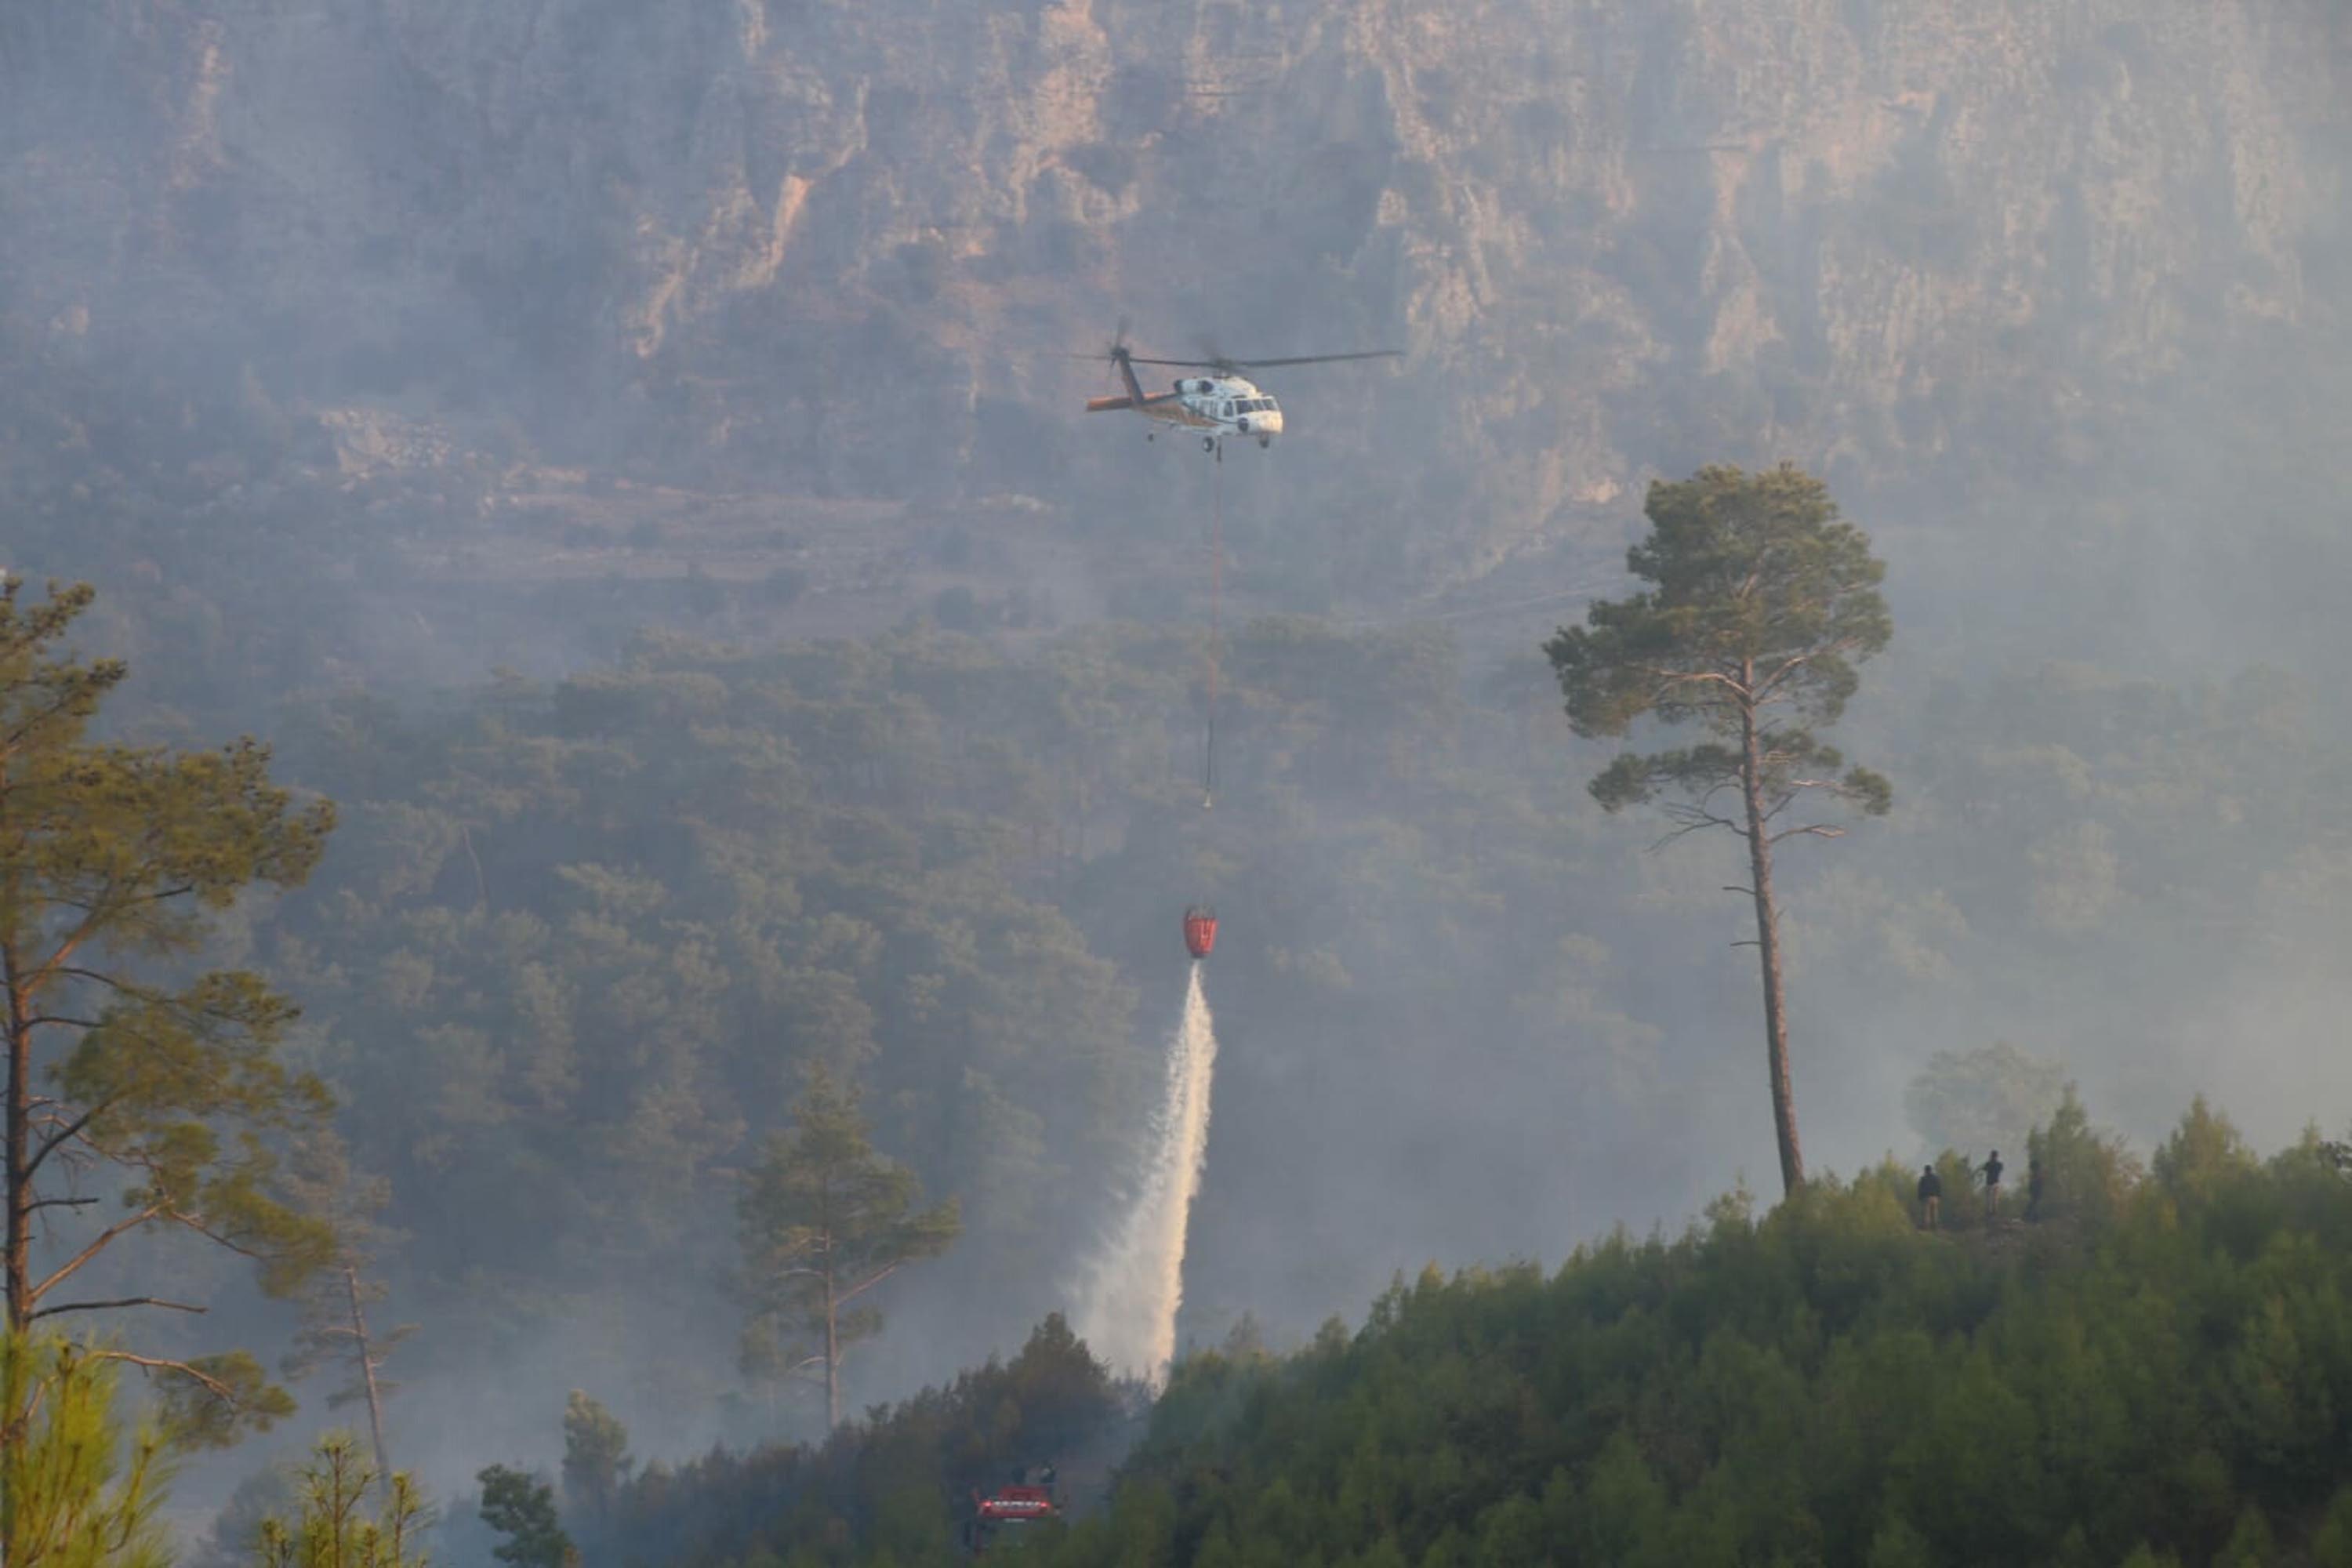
[[836, 246]]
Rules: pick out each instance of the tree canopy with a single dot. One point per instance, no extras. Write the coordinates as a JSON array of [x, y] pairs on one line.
[[332, 1525], [2151, 1374], [892, 1487], [1761, 603], [521, 1509], [130, 1068], [83, 1485], [595, 1452], [2155, 1373], [824, 1219]]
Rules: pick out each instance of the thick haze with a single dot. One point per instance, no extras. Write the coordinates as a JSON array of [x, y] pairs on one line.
[[376, 344]]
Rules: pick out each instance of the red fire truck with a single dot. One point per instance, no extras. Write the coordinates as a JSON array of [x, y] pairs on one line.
[[1027, 1502]]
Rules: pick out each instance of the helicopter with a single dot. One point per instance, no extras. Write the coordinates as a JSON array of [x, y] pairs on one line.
[[1221, 404]]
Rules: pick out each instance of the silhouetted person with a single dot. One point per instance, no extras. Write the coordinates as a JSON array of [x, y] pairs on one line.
[[1991, 1169], [2032, 1190], [1931, 1196]]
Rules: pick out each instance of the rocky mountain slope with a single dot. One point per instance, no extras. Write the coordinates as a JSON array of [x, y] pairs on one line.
[[838, 247]]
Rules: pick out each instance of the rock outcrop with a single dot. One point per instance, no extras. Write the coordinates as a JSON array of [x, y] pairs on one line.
[[838, 246]]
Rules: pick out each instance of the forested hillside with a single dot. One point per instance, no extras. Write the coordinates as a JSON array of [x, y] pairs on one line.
[[898, 1484], [2160, 1376], [573, 942], [2155, 1371]]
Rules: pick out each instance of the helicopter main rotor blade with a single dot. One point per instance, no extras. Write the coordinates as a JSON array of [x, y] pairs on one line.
[[1268, 364], [1315, 359]]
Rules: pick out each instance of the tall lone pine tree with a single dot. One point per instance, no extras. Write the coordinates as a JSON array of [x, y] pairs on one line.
[[144, 1093], [1760, 605], [824, 1220]]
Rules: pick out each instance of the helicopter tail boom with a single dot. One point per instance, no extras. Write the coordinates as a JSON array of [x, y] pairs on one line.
[[1107, 404]]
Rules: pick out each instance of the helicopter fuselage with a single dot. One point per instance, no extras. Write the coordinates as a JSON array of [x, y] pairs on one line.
[[1211, 406], [1219, 406]]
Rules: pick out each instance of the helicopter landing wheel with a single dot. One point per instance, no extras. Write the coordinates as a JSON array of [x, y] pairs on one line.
[[1151, 435], [1208, 443], [1263, 442]]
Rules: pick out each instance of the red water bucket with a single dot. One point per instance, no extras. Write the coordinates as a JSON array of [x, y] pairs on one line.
[[1200, 932]]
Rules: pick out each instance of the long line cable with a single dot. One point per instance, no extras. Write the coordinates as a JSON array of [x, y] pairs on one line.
[[1216, 582]]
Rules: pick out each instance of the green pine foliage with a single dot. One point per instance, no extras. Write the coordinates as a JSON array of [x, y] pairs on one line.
[[824, 1218], [894, 1487], [596, 1453], [77, 1487], [521, 1508], [134, 1067], [2160, 1372], [346, 1515]]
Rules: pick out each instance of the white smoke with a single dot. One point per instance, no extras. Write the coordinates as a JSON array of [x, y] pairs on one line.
[[1126, 1310]]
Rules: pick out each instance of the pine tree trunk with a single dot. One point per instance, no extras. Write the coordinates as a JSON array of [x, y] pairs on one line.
[[832, 1354], [1768, 948], [15, 1418], [367, 1373], [19, 1258]]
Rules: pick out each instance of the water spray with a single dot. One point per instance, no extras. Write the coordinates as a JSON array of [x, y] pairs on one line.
[[1133, 1288]]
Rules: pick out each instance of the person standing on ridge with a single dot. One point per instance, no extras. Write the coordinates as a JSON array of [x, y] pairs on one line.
[[1991, 1170], [1931, 1196]]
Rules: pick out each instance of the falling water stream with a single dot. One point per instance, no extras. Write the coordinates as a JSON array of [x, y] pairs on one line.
[[1128, 1306]]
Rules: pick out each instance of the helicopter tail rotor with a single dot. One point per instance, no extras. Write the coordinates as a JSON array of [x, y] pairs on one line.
[[1110, 352], [1121, 359], [1125, 360]]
